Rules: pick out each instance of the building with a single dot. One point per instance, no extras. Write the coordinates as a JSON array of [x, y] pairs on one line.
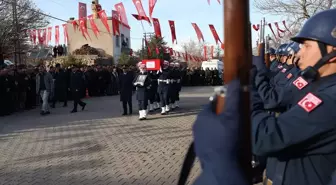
[[110, 44]]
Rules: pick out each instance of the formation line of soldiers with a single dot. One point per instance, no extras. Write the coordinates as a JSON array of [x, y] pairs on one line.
[[293, 113]]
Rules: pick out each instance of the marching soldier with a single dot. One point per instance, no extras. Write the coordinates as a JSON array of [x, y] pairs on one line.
[[152, 93], [172, 89], [178, 83], [142, 84], [163, 87]]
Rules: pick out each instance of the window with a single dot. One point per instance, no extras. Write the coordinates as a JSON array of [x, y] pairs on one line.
[[117, 40]]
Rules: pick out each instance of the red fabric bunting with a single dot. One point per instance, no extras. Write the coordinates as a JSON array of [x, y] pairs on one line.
[[93, 25], [121, 11], [115, 23], [172, 30], [142, 14], [270, 26], [214, 33], [151, 7], [83, 28], [103, 18], [82, 10], [284, 23], [256, 27], [56, 35], [65, 32], [198, 32], [157, 28]]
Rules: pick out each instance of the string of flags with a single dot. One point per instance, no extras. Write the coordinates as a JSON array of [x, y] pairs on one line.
[[279, 31], [44, 36]]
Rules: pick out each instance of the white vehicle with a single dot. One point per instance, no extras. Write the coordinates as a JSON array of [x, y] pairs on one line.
[[213, 64]]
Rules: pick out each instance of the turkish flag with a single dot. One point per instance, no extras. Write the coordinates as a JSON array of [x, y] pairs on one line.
[[56, 35], [152, 64], [103, 18], [172, 30], [198, 32], [93, 25], [151, 7], [214, 33], [122, 12], [157, 28], [142, 14], [115, 22], [82, 11], [65, 32]]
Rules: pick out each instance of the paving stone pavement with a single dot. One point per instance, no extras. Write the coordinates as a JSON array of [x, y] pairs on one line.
[[98, 146]]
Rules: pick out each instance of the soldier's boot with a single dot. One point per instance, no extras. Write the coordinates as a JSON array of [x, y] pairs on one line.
[[163, 110], [140, 115], [157, 105], [177, 104], [172, 106], [167, 108], [151, 107], [144, 113]]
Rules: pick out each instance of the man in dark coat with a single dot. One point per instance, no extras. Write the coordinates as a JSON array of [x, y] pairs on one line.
[[77, 83], [126, 90], [61, 86]]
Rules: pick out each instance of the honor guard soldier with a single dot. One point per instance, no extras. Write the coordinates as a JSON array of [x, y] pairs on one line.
[[173, 86], [142, 84], [179, 83], [152, 93], [272, 58], [300, 144], [164, 81]]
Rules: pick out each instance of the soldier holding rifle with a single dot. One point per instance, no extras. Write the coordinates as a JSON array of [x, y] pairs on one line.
[[300, 144]]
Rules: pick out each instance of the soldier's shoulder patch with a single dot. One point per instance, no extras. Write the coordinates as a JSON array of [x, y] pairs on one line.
[[289, 76], [300, 83], [283, 70], [310, 102]]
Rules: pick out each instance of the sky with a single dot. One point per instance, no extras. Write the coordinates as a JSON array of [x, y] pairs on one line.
[[183, 12]]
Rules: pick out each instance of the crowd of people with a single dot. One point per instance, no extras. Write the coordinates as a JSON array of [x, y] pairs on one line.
[[19, 85], [292, 109]]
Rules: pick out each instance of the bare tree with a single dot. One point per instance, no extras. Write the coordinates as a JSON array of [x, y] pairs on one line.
[[28, 16], [296, 11]]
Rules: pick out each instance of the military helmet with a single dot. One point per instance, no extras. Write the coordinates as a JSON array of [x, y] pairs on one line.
[[293, 48], [271, 51], [320, 27], [281, 49]]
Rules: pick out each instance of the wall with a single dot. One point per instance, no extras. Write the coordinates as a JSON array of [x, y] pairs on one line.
[[117, 47], [104, 41]]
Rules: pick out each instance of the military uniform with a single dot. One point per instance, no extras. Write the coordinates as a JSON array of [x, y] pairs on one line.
[[163, 88], [142, 84]]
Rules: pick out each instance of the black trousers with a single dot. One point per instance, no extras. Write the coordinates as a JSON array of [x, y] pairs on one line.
[[142, 104], [129, 103], [76, 95], [163, 94]]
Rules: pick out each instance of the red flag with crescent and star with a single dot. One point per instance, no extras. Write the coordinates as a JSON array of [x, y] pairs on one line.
[[115, 22], [141, 12], [121, 11], [82, 11], [151, 7], [56, 35], [157, 28], [65, 32], [172, 30], [198, 32], [93, 25], [103, 18], [214, 33]]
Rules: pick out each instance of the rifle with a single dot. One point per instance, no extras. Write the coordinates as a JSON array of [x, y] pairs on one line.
[[237, 64], [262, 44]]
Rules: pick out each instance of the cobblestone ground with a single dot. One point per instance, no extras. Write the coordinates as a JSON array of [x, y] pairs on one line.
[[98, 146]]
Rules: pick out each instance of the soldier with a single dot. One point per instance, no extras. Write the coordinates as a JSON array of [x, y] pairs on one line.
[[300, 143], [163, 81], [142, 84], [172, 89], [179, 83], [152, 93]]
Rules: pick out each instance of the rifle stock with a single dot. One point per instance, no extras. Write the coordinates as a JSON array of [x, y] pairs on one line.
[[237, 64]]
